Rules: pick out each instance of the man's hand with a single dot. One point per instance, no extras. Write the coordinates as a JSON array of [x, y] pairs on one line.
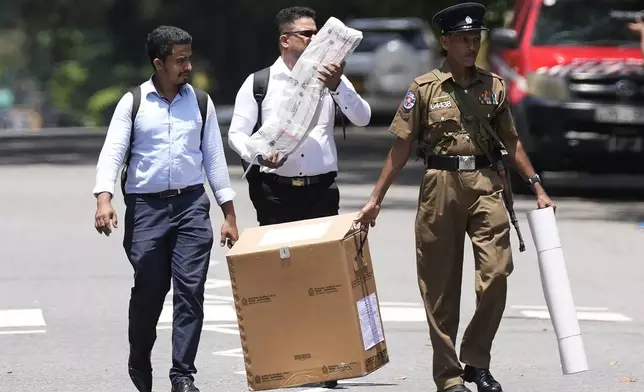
[[105, 215], [272, 160], [330, 75], [543, 200], [229, 233], [637, 26], [368, 214]]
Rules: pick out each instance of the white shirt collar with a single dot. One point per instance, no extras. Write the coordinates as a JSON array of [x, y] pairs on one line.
[[279, 67]]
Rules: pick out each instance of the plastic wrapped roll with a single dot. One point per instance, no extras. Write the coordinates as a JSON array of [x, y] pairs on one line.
[[556, 290]]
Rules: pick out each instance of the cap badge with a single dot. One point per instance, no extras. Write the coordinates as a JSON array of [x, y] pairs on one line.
[[468, 20]]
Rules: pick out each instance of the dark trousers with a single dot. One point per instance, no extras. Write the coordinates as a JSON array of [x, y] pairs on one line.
[[277, 202], [168, 239]]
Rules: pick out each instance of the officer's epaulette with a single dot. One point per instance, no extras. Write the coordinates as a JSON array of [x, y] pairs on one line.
[[426, 78], [486, 72]]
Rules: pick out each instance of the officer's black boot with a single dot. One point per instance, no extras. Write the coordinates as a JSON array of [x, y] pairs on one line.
[[482, 378]]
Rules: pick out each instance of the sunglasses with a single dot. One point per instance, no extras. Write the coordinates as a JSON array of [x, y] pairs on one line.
[[305, 33]]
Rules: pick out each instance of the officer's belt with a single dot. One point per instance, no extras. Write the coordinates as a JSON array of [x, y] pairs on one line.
[[457, 162], [300, 181]]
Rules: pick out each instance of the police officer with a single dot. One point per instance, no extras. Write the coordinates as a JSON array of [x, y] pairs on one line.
[[460, 193]]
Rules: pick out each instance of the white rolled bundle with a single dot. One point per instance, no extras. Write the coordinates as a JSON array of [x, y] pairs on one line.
[[290, 124], [556, 290]]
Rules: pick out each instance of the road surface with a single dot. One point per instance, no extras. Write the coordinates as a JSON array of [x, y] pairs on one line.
[[64, 292]]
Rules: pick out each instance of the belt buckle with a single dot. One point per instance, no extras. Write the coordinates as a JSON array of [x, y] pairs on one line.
[[170, 193], [297, 181], [466, 162]]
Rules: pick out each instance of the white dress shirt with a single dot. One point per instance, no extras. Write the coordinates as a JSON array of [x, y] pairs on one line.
[[317, 153], [165, 149]]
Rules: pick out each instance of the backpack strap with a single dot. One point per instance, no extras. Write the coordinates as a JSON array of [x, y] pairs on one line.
[[136, 103], [260, 86], [202, 100]]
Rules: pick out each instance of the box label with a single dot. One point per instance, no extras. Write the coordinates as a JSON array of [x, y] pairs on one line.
[[378, 360], [313, 291], [246, 301], [370, 325]]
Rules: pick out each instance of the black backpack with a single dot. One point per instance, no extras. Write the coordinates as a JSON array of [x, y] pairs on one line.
[[202, 100], [260, 85]]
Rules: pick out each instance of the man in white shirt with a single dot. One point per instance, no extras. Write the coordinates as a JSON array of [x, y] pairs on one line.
[[168, 233], [302, 186]]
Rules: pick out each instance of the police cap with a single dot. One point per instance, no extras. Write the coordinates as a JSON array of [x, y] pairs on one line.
[[461, 17]]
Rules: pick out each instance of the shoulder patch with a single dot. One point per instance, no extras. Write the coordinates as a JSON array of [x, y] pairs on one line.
[[410, 100]]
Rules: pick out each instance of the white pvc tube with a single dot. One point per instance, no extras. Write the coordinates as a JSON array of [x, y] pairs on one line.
[[556, 290]]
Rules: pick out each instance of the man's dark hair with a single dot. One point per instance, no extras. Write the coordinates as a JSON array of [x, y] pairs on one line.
[[161, 40], [289, 15]]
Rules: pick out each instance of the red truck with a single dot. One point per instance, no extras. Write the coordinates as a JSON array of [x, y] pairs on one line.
[[575, 77]]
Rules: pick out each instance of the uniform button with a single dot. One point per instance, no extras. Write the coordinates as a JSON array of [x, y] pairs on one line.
[[465, 91], [300, 173], [442, 118], [302, 155]]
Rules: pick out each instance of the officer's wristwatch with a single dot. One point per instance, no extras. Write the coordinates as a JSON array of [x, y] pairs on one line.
[[533, 180]]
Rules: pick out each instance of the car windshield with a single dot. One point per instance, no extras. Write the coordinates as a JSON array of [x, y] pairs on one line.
[[372, 38], [583, 22]]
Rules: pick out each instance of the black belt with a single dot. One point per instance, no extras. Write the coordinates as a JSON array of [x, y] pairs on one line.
[[457, 162], [174, 192], [300, 181]]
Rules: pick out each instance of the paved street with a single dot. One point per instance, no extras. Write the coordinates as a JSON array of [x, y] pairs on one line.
[[64, 292]]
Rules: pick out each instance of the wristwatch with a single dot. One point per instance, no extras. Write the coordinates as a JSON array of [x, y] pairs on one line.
[[533, 180]]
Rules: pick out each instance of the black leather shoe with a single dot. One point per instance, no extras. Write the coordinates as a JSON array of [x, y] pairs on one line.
[[482, 378], [456, 388], [329, 384], [184, 385], [140, 371]]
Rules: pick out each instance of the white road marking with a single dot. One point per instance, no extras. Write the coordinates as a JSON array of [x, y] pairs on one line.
[[230, 329], [400, 304], [12, 318], [236, 352], [23, 332], [543, 307], [217, 283], [219, 297], [581, 316], [402, 314]]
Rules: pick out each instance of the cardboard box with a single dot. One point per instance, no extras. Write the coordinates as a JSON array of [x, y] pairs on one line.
[[306, 303]]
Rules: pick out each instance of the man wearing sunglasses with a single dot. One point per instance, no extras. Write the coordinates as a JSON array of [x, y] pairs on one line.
[[303, 185]]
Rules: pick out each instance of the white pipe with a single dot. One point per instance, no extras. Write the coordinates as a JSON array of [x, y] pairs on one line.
[[556, 290]]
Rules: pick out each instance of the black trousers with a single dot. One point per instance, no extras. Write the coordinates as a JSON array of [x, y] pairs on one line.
[[277, 202], [168, 239]]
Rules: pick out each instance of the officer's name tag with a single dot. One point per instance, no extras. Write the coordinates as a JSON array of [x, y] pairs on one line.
[[440, 103]]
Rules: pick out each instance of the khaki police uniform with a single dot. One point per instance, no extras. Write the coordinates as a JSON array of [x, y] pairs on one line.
[[453, 203]]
